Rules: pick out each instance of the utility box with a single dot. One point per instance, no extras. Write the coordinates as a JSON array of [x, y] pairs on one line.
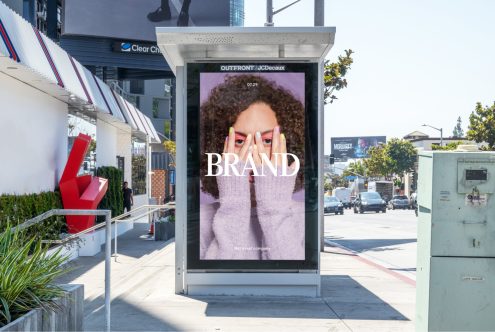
[[456, 241]]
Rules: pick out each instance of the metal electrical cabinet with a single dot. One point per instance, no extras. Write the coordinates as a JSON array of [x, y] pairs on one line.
[[456, 241]]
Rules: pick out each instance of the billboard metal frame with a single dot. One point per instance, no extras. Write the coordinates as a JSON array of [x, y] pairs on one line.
[[353, 141], [180, 47]]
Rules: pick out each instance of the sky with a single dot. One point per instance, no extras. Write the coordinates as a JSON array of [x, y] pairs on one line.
[[416, 62]]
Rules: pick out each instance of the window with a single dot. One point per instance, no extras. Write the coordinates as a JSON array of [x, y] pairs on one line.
[[156, 104], [161, 108], [167, 128], [136, 87], [138, 168]]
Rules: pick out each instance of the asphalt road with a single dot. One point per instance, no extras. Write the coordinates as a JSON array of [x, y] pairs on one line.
[[388, 239]]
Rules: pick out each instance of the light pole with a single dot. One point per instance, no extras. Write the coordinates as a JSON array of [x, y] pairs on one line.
[[439, 129], [270, 12]]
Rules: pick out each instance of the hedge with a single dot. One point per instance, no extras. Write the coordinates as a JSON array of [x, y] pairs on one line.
[[16, 209], [114, 198]]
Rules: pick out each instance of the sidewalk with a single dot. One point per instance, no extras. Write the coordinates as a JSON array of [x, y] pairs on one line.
[[356, 296]]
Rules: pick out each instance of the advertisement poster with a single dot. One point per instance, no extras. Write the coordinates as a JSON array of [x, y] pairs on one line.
[[251, 166], [344, 148]]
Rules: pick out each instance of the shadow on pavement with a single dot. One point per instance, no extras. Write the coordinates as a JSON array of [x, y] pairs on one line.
[[348, 299], [267, 307], [129, 244], [408, 269], [361, 245], [126, 316], [341, 297]]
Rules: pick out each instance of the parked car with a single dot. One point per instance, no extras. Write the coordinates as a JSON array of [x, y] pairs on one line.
[[399, 202], [331, 204], [343, 195], [414, 203], [413, 200], [369, 201], [353, 199]]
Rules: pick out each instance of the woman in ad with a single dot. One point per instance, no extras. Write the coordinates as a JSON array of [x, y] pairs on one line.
[[252, 162]]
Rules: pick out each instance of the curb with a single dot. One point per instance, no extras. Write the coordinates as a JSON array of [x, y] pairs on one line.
[[356, 255]]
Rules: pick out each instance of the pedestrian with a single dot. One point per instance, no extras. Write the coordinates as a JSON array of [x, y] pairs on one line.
[[128, 198]]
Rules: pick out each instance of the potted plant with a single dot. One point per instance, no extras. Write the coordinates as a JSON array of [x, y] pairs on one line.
[[165, 227], [27, 289]]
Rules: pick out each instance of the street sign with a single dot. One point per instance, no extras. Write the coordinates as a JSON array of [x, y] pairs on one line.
[[351, 177]]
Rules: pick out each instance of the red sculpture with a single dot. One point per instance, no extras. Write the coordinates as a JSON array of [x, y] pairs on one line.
[[80, 192]]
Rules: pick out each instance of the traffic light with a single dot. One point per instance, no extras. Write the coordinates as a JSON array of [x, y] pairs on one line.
[[332, 159], [365, 184]]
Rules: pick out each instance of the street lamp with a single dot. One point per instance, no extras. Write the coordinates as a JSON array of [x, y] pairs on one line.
[[270, 13], [440, 130]]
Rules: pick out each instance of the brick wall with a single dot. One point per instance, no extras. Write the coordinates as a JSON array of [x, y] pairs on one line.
[[158, 184]]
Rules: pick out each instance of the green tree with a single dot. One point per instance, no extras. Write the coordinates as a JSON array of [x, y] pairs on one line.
[[339, 181], [170, 147], [327, 184], [449, 146], [400, 156], [355, 168], [482, 125], [334, 75], [377, 164], [458, 132]]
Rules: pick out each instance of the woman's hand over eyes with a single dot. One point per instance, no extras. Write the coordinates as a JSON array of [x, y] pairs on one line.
[[278, 149], [230, 142]]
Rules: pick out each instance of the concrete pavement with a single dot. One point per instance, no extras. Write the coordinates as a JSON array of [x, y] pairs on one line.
[[386, 239], [356, 296]]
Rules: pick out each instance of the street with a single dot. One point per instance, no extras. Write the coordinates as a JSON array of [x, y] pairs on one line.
[[387, 239]]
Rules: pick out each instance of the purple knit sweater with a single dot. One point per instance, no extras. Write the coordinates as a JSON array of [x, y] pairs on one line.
[[273, 230]]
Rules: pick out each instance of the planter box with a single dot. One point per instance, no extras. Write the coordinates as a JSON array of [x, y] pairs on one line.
[[164, 230], [68, 318]]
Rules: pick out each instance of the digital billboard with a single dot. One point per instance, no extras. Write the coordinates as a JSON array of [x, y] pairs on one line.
[[354, 147], [137, 19], [254, 155]]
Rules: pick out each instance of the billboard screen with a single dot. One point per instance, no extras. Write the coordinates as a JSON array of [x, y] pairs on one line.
[[137, 20], [252, 125], [354, 147]]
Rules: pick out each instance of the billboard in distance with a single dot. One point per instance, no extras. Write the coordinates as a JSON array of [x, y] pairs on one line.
[[354, 147], [137, 20]]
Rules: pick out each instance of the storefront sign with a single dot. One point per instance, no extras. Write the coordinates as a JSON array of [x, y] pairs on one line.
[[139, 48]]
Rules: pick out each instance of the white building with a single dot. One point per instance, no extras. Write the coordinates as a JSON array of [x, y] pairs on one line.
[[40, 85]]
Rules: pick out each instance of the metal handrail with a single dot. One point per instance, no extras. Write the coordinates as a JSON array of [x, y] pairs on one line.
[[108, 224], [108, 244], [98, 226]]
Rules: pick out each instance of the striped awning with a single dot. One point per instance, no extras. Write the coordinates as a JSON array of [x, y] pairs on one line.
[[31, 57]]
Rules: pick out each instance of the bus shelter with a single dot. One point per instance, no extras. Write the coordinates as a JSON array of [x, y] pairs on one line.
[[249, 134]]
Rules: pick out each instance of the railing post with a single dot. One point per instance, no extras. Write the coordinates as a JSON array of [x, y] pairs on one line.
[[108, 254], [115, 240], [108, 236]]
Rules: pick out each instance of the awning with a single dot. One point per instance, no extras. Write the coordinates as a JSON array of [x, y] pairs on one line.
[[29, 56], [261, 43], [139, 122]]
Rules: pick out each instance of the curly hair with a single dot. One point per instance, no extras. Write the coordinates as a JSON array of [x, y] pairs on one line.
[[224, 104]]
